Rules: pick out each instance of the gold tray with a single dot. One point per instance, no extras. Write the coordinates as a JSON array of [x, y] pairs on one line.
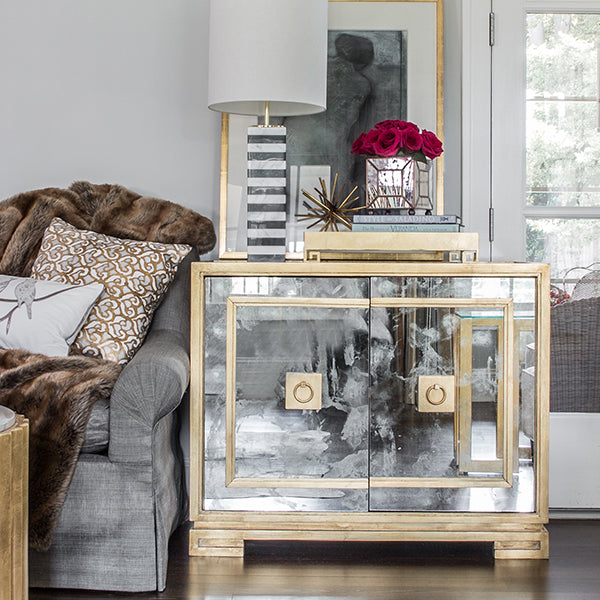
[[390, 245]]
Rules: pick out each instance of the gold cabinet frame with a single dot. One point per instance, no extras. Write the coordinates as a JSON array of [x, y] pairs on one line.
[[505, 431], [233, 302], [513, 534]]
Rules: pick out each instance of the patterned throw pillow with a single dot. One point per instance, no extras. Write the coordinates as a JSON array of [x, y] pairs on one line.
[[43, 316], [135, 276]]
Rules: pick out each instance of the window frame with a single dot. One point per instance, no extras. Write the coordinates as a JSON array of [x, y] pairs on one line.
[[557, 212], [493, 124]]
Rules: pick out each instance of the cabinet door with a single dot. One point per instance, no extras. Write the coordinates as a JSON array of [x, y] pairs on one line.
[[446, 361], [286, 393]]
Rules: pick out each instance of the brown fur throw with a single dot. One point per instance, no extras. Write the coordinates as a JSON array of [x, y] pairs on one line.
[[109, 209], [56, 394]]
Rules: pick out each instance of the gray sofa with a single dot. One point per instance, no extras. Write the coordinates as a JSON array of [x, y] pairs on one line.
[[128, 492]]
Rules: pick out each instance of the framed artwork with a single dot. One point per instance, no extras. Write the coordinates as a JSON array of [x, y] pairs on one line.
[[385, 61]]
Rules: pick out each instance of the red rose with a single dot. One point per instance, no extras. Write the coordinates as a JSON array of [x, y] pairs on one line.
[[388, 142], [363, 144], [413, 140], [389, 124], [406, 125], [358, 147], [396, 124], [432, 147], [371, 136]]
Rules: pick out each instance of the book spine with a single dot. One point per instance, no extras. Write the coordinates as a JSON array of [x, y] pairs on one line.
[[409, 219], [406, 227]]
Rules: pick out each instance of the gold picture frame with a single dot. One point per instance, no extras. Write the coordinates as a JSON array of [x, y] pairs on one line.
[[423, 22]]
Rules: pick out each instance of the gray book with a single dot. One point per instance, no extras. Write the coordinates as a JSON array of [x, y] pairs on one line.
[[408, 219], [406, 227]]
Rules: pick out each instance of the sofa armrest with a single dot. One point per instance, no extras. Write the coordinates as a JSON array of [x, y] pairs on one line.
[[150, 386]]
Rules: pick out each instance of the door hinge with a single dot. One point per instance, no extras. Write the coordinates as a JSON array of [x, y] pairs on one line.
[[491, 225], [492, 28]]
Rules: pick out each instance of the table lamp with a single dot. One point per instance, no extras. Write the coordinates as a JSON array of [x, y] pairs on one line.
[[267, 58]]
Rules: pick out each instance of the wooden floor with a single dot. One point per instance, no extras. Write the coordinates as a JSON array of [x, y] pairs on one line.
[[277, 571]]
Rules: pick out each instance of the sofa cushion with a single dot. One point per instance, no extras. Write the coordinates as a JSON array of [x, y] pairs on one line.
[[43, 317], [135, 276]]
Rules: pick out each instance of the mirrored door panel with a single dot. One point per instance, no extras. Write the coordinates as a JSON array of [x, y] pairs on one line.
[[446, 390], [289, 430], [369, 393], [429, 418]]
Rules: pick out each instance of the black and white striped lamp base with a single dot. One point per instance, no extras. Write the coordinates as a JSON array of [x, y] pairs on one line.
[[266, 194]]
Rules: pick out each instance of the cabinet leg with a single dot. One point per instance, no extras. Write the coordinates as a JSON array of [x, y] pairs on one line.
[[205, 543], [533, 546]]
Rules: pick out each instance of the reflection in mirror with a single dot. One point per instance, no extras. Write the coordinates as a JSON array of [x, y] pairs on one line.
[[262, 330], [408, 437], [468, 343], [414, 393]]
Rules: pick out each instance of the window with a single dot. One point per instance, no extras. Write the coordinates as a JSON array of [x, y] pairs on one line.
[[562, 204]]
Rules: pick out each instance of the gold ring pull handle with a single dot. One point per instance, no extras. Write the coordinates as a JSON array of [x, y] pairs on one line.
[[303, 392], [436, 387]]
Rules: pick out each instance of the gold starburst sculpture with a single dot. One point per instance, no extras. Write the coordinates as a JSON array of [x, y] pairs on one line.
[[329, 211]]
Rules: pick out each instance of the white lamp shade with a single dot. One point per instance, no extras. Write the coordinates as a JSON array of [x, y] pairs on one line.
[[268, 50]]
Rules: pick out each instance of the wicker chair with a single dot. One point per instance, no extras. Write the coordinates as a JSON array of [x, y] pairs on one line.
[[574, 355]]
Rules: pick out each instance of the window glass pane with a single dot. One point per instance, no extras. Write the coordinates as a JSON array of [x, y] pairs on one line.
[[564, 243], [563, 112]]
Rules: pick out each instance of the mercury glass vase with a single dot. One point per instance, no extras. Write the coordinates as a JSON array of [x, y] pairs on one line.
[[399, 182]]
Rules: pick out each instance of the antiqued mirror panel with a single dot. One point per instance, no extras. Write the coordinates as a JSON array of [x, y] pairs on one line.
[[421, 397], [434, 450], [357, 393], [286, 394]]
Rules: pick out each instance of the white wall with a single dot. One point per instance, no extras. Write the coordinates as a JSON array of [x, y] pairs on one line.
[[114, 91], [575, 461], [109, 91]]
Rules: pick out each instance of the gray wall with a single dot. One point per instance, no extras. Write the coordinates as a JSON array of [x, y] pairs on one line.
[[110, 91], [114, 91]]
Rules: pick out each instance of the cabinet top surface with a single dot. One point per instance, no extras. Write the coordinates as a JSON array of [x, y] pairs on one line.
[[370, 269]]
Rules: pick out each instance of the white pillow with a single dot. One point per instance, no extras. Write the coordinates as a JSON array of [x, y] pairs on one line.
[[43, 316]]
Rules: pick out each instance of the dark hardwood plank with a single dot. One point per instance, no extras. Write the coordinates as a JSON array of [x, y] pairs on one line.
[[283, 571]]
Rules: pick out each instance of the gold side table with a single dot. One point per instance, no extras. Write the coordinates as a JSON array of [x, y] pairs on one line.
[[14, 466]]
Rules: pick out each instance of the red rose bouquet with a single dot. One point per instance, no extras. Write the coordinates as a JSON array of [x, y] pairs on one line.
[[393, 138]]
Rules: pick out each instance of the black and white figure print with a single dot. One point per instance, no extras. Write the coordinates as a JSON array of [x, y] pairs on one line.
[[366, 84]]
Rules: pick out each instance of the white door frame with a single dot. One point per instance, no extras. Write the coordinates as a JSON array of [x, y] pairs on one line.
[[493, 88], [494, 126], [493, 113]]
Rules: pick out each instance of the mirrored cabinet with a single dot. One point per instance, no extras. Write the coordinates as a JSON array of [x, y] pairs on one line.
[[370, 402]]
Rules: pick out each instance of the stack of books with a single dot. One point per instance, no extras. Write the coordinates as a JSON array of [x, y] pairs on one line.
[[406, 223]]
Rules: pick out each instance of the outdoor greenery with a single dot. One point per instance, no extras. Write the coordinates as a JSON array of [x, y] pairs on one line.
[[564, 243], [563, 141], [563, 134]]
